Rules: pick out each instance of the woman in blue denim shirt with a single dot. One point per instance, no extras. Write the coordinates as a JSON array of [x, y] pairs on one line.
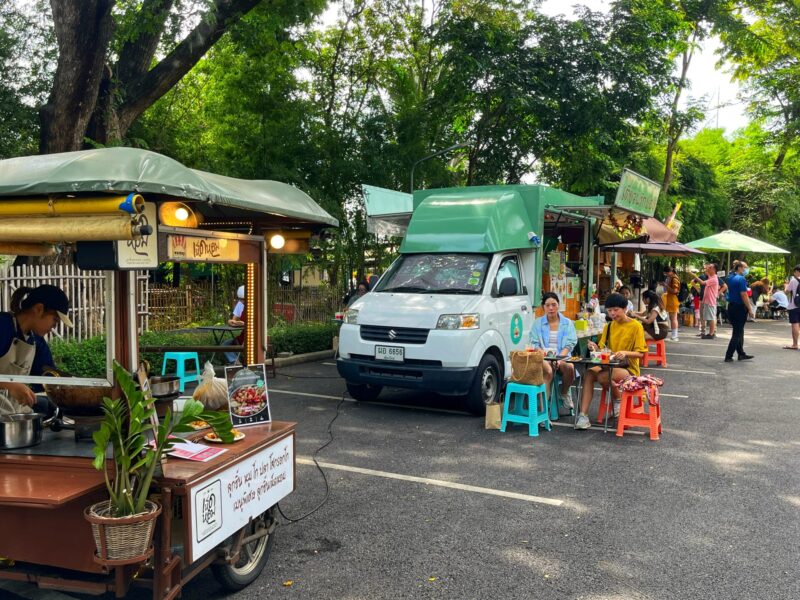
[[555, 334]]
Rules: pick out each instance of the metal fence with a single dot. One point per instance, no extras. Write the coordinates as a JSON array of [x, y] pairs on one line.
[[307, 305]]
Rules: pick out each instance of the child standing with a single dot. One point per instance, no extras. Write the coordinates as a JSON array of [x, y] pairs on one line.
[[696, 305]]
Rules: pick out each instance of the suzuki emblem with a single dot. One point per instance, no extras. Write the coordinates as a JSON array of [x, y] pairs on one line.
[[392, 334]]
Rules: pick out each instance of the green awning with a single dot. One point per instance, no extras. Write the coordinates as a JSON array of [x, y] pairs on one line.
[[125, 170], [388, 211], [732, 241]]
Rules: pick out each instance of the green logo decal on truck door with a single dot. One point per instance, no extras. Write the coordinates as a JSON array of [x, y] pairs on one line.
[[516, 328]]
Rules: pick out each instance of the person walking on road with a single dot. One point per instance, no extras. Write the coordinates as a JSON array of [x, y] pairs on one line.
[[708, 306], [671, 301], [793, 295], [739, 308]]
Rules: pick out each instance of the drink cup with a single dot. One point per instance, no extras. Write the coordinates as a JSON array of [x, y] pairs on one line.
[[605, 356]]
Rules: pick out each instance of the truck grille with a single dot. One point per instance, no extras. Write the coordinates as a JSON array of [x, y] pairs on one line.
[[396, 335]]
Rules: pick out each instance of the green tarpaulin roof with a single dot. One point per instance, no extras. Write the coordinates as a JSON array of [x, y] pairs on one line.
[[125, 170], [482, 219], [732, 241]]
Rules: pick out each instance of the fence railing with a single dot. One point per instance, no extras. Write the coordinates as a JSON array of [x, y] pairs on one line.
[[307, 305], [161, 307], [85, 289]]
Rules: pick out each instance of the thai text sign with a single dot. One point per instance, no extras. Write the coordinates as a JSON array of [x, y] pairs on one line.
[[224, 504], [202, 249], [637, 194], [141, 253]]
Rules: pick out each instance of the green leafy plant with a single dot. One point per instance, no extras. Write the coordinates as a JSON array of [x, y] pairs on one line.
[[137, 448]]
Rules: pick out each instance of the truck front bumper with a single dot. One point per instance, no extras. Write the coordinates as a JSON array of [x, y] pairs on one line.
[[451, 381]]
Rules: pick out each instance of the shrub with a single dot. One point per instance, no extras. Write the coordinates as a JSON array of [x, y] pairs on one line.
[[88, 358], [81, 359], [302, 338]]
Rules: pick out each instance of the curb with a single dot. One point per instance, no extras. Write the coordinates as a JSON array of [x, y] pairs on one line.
[[303, 358]]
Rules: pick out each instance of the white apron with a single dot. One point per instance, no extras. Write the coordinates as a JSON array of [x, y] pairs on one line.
[[17, 361]]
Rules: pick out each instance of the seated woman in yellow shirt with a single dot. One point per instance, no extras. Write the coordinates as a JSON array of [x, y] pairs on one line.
[[625, 338]]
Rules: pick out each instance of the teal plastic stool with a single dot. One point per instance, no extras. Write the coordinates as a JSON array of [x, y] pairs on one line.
[[521, 405], [181, 358]]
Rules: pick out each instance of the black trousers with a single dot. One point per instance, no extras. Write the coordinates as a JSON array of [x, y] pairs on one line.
[[737, 315]]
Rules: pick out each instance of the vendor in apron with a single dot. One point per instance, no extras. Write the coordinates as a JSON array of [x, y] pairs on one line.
[[34, 313]]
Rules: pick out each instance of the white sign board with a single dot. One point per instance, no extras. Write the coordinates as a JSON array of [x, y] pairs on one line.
[[141, 253], [225, 503]]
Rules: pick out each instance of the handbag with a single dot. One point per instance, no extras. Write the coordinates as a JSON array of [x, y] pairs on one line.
[[526, 367]]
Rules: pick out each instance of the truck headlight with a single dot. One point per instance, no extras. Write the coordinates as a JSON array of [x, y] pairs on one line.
[[468, 321], [351, 317]]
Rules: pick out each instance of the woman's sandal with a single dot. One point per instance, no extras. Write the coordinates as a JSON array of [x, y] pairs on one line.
[[791, 348]]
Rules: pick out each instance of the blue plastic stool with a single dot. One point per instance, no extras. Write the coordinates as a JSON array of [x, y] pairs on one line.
[[521, 405], [181, 358]]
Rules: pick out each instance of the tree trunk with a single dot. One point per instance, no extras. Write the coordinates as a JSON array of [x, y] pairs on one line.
[[88, 100], [83, 29], [674, 130]]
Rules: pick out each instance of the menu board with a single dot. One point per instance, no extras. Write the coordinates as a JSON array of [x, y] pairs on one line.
[[556, 263], [248, 398]]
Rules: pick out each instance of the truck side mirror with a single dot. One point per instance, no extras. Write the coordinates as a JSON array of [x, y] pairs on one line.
[[508, 287]]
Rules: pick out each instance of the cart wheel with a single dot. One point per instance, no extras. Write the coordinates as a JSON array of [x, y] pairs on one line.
[[252, 557], [363, 392]]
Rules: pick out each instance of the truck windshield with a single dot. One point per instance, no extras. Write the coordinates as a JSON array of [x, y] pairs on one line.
[[436, 274]]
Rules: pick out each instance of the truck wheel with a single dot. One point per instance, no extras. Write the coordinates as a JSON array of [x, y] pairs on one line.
[[253, 557], [363, 392], [486, 387]]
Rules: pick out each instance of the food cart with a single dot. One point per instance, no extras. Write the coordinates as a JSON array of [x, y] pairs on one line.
[[122, 210]]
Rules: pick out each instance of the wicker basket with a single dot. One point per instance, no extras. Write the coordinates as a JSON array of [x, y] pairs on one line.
[[123, 540], [526, 367]]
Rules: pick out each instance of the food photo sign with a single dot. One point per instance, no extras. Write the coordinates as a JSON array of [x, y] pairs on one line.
[[247, 395]]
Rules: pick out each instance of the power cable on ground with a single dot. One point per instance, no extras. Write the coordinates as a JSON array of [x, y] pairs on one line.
[[329, 430]]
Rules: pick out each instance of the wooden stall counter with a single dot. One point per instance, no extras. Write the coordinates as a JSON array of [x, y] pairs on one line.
[[214, 499]]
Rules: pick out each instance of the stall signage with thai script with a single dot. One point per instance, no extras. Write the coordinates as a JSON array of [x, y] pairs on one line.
[[188, 248], [637, 194], [141, 253], [224, 504]]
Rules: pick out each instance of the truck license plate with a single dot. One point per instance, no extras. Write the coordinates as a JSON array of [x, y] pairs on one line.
[[391, 353]]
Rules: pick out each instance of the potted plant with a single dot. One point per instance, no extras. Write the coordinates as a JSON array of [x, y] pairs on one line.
[[123, 525]]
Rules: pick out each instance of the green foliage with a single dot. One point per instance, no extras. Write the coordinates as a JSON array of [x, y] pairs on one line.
[[88, 358], [127, 427], [169, 338], [81, 359], [299, 339]]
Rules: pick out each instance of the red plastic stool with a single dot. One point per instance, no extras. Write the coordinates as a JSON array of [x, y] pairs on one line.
[[638, 407], [631, 414], [660, 355]]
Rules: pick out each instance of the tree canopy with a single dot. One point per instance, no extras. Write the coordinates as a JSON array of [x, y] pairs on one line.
[[260, 89]]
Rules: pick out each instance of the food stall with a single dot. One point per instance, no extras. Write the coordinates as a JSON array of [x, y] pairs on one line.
[[122, 210]]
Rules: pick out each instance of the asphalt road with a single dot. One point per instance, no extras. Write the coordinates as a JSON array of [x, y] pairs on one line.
[[709, 511]]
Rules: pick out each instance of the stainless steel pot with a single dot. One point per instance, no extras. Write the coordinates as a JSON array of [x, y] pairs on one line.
[[20, 430], [165, 386]]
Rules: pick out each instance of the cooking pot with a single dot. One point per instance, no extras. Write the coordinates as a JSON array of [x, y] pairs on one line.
[[20, 430], [167, 385]]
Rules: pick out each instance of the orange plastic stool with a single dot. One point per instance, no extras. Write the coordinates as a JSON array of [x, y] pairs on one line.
[[660, 355], [631, 414], [638, 406]]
